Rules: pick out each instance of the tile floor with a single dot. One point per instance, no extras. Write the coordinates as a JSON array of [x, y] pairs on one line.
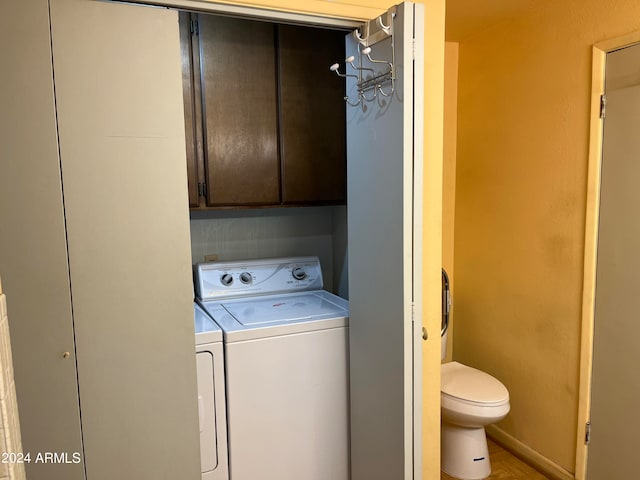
[[505, 466]]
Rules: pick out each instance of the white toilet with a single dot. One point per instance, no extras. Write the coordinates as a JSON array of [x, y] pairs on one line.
[[469, 399]]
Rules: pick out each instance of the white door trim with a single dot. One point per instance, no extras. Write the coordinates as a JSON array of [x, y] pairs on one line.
[[256, 12]]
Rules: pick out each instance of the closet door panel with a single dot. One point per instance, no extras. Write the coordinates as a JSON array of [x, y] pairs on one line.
[[385, 212], [121, 127], [238, 69], [33, 246], [312, 115]]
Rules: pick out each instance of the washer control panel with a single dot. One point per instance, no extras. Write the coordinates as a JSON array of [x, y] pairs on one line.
[[218, 280]]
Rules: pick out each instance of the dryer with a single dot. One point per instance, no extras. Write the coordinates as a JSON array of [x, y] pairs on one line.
[[286, 358], [211, 397]]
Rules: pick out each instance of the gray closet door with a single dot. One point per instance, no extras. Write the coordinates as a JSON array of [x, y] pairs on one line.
[[33, 247], [121, 127], [384, 248], [615, 392]]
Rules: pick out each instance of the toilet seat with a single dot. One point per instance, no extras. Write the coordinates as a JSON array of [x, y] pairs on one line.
[[460, 383], [448, 400]]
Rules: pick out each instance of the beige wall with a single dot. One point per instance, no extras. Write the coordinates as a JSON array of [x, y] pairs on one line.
[[269, 232], [524, 96]]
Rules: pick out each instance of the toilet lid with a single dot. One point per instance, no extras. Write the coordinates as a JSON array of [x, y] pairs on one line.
[[471, 385]]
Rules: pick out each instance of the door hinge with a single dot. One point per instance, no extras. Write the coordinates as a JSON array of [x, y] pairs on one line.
[[587, 433], [202, 189], [193, 26], [603, 105]]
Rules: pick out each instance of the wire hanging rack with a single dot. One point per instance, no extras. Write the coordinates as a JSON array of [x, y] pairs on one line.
[[371, 78]]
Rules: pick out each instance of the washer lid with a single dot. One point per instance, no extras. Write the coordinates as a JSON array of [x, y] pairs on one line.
[[466, 383], [282, 308], [267, 316], [206, 329]]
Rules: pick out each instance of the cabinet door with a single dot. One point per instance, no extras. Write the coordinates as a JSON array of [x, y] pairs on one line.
[[189, 107], [312, 115], [238, 69]]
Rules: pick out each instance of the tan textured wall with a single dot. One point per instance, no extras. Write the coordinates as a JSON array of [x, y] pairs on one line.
[[524, 93], [10, 440]]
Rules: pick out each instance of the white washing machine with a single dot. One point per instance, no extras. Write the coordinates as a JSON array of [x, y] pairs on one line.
[[286, 359], [211, 398]]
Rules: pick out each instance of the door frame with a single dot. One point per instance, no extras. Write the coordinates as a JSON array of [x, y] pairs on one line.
[[344, 14], [596, 132]]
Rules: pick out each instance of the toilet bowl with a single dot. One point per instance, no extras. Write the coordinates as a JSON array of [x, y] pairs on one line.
[[470, 399]]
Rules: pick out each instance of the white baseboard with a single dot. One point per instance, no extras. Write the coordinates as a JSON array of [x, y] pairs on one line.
[[528, 454]]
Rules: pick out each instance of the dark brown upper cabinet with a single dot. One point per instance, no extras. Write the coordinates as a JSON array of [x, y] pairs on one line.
[[264, 116], [312, 115], [239, 92], [186, 54]]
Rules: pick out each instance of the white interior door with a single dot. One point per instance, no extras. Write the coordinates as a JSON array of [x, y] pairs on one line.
[[615, 392], [384, 211]]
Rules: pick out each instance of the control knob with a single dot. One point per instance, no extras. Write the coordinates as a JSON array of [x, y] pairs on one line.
[[299, 273], [226, 279], [246, 278]]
